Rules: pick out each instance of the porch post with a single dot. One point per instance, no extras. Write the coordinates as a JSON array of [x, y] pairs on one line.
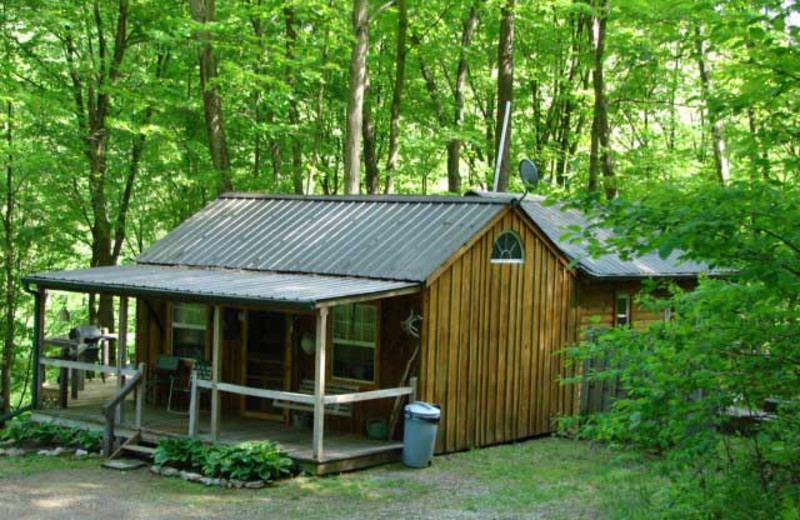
[[40, 302], [122, 340], [215, 372], [319, 383]]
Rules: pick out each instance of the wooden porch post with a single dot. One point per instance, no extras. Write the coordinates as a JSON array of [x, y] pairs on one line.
[[319, 383], [216, 360], [122, 340], [38, 342]]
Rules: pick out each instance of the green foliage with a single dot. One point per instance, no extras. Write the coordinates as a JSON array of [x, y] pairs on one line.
[[731, 345], [23, 430], [246, 461], [188, 453]]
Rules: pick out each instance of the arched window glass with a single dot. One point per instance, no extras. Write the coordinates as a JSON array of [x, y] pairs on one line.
[[508, 249]]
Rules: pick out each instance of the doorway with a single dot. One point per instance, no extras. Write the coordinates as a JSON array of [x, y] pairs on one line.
[[266, 361]]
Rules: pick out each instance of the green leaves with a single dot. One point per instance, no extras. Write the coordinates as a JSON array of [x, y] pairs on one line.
[[246, 461]]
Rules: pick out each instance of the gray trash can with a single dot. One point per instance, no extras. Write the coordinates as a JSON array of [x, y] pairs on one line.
[[419, 436]]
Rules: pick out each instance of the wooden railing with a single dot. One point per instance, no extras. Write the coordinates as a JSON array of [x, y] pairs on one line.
[[111, 408], [292, 397]]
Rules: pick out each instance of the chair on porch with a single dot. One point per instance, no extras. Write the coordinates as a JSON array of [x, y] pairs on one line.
[[202, 370]]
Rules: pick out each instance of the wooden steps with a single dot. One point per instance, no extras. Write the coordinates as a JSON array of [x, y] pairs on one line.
[[140, 450]]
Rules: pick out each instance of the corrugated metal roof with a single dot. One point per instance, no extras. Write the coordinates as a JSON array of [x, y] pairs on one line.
[[554, 221], [219, 285], [385, 237]]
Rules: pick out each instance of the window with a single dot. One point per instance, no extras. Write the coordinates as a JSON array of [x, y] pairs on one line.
[[623, 310], [355, 332], [508, 249], [189, 322]]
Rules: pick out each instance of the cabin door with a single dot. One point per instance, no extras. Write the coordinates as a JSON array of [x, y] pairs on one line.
[[266, 361]]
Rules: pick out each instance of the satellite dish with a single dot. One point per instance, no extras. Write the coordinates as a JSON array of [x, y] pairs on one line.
[[528, 173]]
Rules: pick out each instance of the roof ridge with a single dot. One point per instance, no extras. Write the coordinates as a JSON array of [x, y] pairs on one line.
[[396, 199]]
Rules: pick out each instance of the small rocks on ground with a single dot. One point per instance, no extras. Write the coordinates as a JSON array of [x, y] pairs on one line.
[[14, 452], [190, 477], [256, 484], [81, 453]]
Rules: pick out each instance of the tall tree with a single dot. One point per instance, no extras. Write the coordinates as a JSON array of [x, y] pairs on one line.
[[397, 94], [203, 12], [355, 99], [721, 165], [505, 89], [600, 156], [92, 97], [294, 110], [455, 144]]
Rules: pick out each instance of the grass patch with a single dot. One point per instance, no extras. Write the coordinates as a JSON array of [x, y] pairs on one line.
[[35, 464], [551, 478]]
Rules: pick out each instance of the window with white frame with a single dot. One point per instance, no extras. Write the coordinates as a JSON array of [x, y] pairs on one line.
[[622, 315], [508, 249], [188, 330], [355, 341]]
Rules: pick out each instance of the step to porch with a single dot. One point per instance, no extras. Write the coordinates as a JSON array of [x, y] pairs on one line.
[[140, 449]]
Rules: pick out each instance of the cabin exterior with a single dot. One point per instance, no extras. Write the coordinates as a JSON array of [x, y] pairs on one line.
[[319, 317]]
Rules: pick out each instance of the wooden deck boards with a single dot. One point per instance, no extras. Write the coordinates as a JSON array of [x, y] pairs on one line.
[[343, 451]]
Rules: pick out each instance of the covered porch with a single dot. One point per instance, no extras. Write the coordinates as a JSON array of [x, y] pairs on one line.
[[221, 404]]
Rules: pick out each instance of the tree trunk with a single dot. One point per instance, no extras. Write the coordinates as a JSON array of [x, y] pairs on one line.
[[9, 261], [505, 89], [203, 12], [721, 164], [397, 95], [294, 113], [600, 156], [455, 144], [355, 100], [370, 149]]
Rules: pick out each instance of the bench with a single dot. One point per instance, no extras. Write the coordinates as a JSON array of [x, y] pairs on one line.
[[307, 387]]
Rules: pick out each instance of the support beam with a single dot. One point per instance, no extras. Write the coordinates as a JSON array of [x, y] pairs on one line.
[[319, 384], [216, 365], [40, 302], [194, 406], [122, 349], [140, 390]]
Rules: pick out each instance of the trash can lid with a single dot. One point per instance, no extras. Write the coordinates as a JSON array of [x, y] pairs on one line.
[[423, 410]]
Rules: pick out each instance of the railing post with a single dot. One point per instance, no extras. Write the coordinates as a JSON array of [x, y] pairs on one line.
[[122, 337], [412, 382], [319, 384], [194, 407], [140, 390], [216, 360], [40, 303], [108, 447]]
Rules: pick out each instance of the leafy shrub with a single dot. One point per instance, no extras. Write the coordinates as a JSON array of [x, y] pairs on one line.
[[23, 430], [731, 345], [180, 452], [246, 461]]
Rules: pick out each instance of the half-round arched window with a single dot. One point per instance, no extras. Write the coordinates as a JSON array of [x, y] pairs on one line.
[[508, 249]]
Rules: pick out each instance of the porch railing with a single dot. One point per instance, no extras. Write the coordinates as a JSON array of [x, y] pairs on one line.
[[292, 397], [111, 410]]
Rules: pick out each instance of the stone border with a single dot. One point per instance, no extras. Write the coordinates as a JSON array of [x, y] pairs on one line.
[[166, 471]]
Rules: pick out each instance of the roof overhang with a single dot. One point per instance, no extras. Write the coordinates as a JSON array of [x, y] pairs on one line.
[[224, 286]]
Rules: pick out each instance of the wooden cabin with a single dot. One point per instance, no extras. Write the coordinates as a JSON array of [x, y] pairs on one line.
[[312, 320]]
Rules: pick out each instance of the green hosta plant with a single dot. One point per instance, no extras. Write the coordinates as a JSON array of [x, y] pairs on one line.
[[185, 453], [247, 461], [24, 430]]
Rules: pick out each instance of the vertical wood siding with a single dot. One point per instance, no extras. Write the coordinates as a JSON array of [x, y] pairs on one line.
[[491, 342]]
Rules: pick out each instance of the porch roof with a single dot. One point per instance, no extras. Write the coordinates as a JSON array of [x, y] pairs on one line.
[[221, 285]]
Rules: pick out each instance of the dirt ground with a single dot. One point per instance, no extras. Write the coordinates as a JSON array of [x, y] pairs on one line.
[[546, 478]]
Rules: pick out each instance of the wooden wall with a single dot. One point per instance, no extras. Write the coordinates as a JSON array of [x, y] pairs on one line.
[[492, 341]]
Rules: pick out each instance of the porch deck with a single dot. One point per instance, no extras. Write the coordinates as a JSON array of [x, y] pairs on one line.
[[343, 451]]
